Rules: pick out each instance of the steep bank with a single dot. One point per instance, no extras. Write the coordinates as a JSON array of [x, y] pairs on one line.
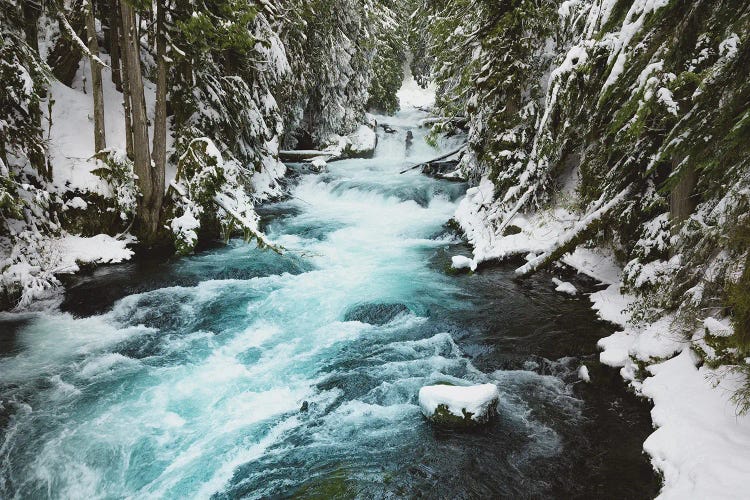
[[615, 130]]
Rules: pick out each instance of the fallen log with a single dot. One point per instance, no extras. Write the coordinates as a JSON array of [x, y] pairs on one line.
[[456, 121], [584, 229], [299, 155], [434, 160]]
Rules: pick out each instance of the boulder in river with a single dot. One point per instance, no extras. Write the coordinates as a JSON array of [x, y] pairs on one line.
[[375, 313], [459, 406]]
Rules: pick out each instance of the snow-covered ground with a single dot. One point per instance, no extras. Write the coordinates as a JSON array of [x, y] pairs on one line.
[[700, 445], [411, 95]]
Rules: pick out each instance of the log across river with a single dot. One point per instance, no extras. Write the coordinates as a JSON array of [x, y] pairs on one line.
[[242, 373]]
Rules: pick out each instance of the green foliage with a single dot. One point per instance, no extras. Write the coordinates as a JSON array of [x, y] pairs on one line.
[[24, 77], [201, 171], [221, 26], [117, 172], [739, 294]]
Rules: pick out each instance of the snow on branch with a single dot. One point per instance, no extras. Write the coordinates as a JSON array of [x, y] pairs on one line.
[[226, 203], [76, 39]]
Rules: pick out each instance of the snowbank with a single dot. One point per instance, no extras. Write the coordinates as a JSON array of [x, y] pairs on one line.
[[459, 405], [700, 445], [34, 276]]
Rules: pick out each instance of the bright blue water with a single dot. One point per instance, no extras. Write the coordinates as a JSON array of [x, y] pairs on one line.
[[185, 379]]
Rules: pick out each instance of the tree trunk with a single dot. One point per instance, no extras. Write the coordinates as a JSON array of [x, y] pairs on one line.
[[114, 43], [159, 154], [31, 13], [100, 140], [125, 84], [148, 209], [682, 202]]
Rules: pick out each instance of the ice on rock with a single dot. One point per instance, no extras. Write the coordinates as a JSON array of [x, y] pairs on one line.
[[459, 406]]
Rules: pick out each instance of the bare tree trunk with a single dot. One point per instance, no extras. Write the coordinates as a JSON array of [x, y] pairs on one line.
[[682, 203], [159, 154], [125, 84], [148, 209], [114, 43], [31, 12], [100, 139]]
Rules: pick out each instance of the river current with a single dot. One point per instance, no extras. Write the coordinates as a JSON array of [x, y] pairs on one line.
[[240, 373]]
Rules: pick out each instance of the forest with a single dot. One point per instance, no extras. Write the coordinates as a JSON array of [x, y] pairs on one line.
[[599, 140]]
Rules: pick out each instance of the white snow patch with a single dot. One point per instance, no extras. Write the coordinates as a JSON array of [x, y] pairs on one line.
[[583, 373], [700, 445], [76, 203], [462, 262], [564, 287], [718, 328], [99, 249]]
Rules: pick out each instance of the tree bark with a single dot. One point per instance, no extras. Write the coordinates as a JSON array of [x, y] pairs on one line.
[[148, 209], [31, 12], [114, 43], [682, 202], [100, 140], [159, 155], [125, 84]]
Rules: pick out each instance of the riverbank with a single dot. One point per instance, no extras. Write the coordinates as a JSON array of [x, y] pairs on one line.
[[699, 443], [199, 367]]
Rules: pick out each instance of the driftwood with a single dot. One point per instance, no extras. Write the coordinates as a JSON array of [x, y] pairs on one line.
[[434, 160]]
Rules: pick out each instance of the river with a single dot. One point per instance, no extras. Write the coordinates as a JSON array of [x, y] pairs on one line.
[[242, 373]]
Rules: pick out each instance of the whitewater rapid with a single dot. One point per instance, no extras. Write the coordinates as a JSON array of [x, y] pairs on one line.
[[254, 374]]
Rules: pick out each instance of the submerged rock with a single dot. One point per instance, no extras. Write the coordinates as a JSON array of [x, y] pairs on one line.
[[459, 406], [375, 314]]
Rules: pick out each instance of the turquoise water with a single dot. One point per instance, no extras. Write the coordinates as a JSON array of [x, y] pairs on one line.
[[187, 378]]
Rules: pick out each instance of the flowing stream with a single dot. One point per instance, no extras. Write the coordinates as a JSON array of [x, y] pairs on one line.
[[242, 373]]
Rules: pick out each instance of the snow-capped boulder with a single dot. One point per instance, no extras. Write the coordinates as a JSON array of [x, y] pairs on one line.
[[462, 262], [363, 142], [459, 406], [564, 286], [319, 164]]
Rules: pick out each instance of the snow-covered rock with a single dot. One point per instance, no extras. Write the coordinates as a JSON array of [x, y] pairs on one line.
[[460, 406], [462, 262], [564, 287], [363, 141], [583, 373], [319, 164]]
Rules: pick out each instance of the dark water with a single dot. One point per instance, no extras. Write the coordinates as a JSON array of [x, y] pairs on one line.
[[185, 378]]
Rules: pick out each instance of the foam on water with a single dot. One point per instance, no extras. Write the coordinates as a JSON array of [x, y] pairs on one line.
[[191, 391]]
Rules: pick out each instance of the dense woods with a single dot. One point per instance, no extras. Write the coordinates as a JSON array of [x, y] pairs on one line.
[[606, 138], [200, 97]]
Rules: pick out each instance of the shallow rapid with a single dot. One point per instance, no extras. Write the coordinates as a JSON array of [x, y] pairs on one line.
[[243, 373]]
